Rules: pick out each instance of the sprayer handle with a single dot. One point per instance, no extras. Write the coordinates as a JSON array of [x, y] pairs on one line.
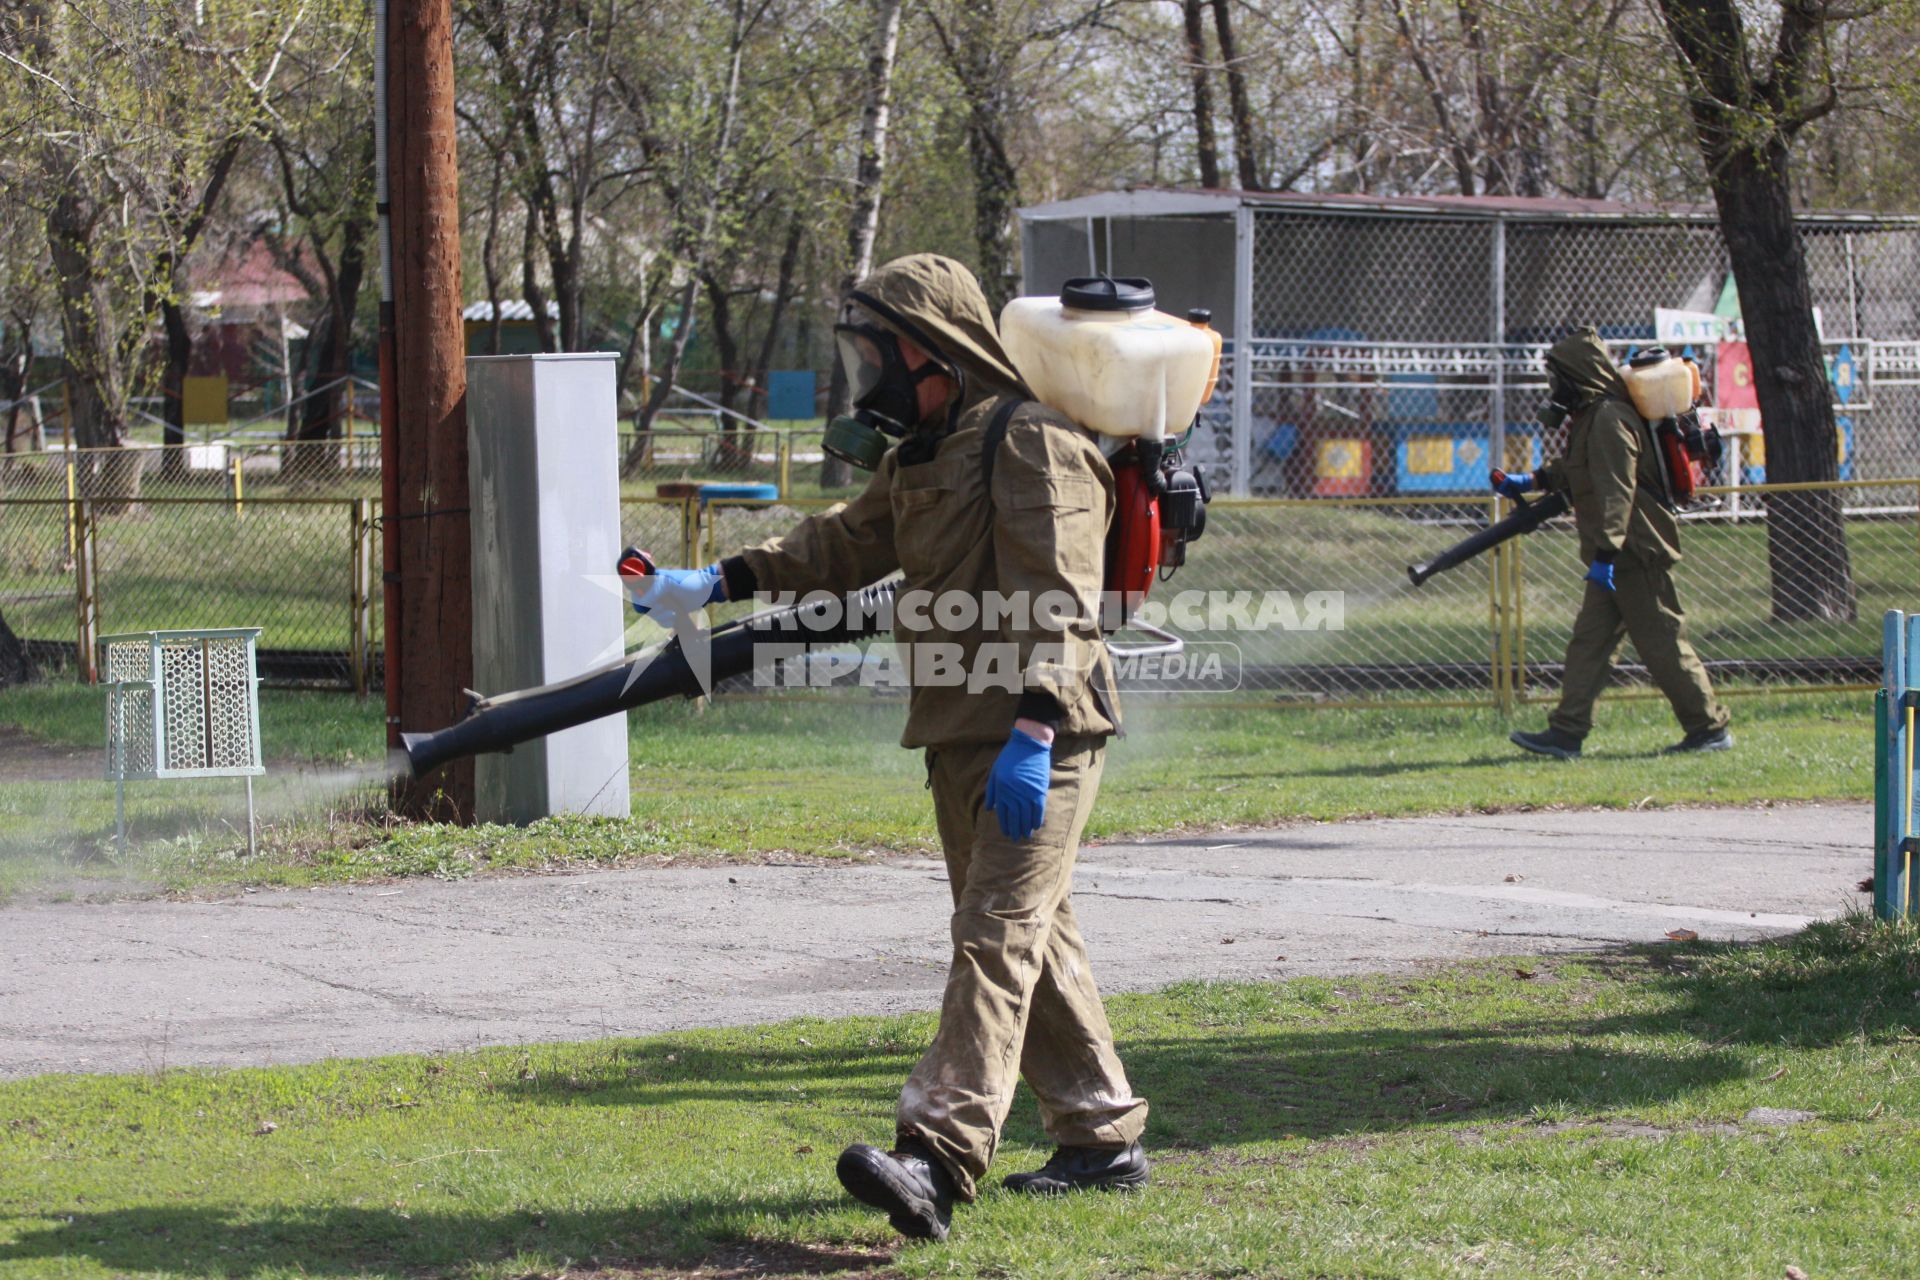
[[635, 563], [1498, 477]]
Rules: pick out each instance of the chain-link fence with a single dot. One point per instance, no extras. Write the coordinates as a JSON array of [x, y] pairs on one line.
[[1380, 347], [302, 569], [1310, 600], [667, 461], [1300, 599]]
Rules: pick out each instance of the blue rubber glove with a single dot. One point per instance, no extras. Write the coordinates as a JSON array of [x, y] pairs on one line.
[[1017, 787], [675, 593], [1513, 484], [1600, 573]]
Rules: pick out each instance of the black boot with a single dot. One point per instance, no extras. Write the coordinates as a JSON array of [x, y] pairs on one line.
[[1548, 742], [908, 1184], [1084, 1169], [1720, 739]]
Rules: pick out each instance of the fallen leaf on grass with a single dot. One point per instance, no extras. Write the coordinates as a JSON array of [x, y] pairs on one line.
[[1795, 1273], [266, 1127], [1523, 974], [1775, 1076], [1682, 935]]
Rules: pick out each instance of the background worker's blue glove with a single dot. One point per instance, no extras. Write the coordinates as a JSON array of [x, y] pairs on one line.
[[1017, 787], [1511, 484], [1600, 573], [675, 593]]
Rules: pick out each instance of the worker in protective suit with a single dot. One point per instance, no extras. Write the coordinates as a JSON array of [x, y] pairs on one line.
[[1629, 542], [987, 494]]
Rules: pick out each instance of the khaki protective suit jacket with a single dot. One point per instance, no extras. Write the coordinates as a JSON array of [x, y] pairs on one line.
[[1608, 469], [1001, 591]]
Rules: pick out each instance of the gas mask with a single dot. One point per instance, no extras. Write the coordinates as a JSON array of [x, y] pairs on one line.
[[1560, 398], [884, 391]]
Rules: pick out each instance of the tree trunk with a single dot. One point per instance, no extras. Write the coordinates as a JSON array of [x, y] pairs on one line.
[[726, 344], [1239, 106], [16, 664], [173, 387], [94, 385], [332, 343], [727, 454], [996, 191], [1806, 534], [1745, 127], [488, 266], [14, 372], [536, 297], [1202, 74], [657, 399], [782, 298], [864, 224]]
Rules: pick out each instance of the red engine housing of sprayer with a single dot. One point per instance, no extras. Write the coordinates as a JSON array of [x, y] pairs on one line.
[[1159, 506], [1134, 540]]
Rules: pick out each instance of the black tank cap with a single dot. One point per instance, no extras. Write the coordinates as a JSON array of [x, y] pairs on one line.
[[1199, 315], [1646, 356], [1105, 293]]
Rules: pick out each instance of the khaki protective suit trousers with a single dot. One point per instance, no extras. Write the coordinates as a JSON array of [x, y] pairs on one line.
[[1020, 999], [1644, 608]]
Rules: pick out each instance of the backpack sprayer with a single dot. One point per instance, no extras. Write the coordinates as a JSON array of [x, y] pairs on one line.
[[1155, 367], [1666, 394], [1101, 354]]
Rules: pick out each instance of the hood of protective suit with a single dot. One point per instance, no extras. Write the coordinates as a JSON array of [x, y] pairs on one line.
[[1583, 363], [937, 303]]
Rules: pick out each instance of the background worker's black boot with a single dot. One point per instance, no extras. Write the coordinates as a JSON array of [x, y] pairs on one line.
[[907, 1184], [1548, 742], [1720, 739], [1084, 1169]]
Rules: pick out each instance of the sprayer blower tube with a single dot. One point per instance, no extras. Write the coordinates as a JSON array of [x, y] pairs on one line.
[[499, 723], [1528, 517]]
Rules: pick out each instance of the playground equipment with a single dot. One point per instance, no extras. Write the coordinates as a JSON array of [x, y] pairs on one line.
[[182, 704], [1894, 704]]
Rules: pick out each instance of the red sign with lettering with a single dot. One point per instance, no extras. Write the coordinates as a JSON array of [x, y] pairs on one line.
[[1733, 377]]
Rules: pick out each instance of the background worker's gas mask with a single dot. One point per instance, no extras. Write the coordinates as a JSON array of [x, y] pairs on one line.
[[1560, 398], [885, 393]]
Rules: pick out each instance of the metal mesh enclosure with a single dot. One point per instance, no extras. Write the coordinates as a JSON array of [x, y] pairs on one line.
[[1390, 344], [203, 686]]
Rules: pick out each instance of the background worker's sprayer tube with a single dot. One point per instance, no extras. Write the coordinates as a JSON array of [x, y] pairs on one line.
[[1528, 517], [499, 723]]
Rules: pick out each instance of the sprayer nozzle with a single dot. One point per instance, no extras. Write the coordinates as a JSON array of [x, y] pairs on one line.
[[409, 743], [1419, 573]]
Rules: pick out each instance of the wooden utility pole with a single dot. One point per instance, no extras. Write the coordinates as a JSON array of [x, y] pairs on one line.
[[429, 627]]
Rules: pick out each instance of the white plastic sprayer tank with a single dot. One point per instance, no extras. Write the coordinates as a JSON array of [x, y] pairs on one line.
[[1661, 385], [1102, 355]]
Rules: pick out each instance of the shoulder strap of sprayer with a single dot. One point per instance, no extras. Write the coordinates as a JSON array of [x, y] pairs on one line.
[[996, 436]]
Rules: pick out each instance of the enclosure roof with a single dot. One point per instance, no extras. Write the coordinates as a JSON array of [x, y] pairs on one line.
[[1162, 202]]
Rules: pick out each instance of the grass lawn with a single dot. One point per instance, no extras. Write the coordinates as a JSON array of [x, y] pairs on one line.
[[1576, 1117], [823, 777]]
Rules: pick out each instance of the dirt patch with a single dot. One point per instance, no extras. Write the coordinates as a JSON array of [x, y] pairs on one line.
[[25, 758]]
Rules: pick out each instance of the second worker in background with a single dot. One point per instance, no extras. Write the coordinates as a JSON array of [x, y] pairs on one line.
[[1629, 542]]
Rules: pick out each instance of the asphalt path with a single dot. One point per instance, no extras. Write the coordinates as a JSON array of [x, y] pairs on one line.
[[425, 966]]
